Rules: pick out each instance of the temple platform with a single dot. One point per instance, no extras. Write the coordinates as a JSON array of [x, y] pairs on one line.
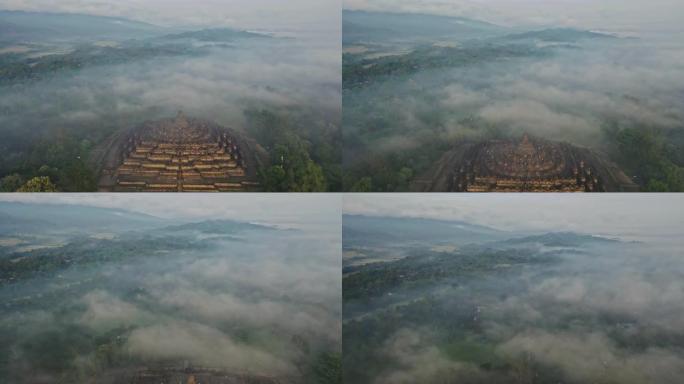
[[527, 164], [180, 155]]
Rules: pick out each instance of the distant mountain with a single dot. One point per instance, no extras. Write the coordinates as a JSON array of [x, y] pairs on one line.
[[559, 35], [215, 35], [357, 73], [32, 68], [29, 217], [368, 230], [19, 26], [561, 239], [51, 48], [216, 227], [363, 26]]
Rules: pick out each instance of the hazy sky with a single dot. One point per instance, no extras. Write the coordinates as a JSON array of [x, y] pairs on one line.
[[284, 209], [623, 214], [617, 15], [626, 214], [250, 14]]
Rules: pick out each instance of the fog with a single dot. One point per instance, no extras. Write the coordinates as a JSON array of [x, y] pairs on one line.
[[562, 308], [584, 90], [272, 15], [285, 211], [101, 84], [259, 300], [218, 87], [616, 215], [629, 15], [634, 300]]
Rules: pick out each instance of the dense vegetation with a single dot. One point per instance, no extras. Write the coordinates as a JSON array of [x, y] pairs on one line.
[[80, 300], [531, 309], [63, 154], [88, 251], [63, 160], [64, 96], [414, 303], [648, 155], [369, 170], [392, 171], [426, 268], [302, 159], [82, 57], [360, 72], [415, 86]]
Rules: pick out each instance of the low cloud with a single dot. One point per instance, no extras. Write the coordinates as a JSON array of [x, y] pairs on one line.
[[202, 345], [593, 357], [417, 361], [238, 304], [105, 311]]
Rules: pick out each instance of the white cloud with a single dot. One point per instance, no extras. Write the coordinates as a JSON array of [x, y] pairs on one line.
[[591, 357], [416, 360], [203, 344]]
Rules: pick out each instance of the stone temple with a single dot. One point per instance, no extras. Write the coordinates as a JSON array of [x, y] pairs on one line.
[[180, 155], [523, 165]]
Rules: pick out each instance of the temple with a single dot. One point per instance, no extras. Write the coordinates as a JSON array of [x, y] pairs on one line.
[[526, 164], [180, 155]]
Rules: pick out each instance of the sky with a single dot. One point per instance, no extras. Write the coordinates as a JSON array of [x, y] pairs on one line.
[[616, 15], [624, 215], [621, 214], [287, 210], [273, 15]]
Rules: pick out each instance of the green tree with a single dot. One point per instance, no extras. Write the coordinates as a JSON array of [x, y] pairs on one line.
[[11, 183], [292, 169], [38, 184], [63, 160], [328, 368], [643, 153], [303, 158], [365, 184]]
